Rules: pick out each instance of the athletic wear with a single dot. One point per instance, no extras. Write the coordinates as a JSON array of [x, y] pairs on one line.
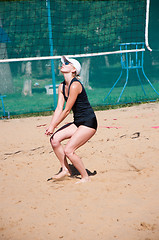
[[92, 123], [82, 110]]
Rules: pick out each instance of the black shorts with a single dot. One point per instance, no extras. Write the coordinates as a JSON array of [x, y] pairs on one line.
[[92, 123]]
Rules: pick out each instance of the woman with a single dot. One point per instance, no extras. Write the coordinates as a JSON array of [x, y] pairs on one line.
[[79, 131]]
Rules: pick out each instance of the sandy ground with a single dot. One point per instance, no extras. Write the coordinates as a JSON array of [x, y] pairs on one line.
[[121, 201]]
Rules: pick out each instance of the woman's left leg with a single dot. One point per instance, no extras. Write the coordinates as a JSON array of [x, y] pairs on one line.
[[79, 138]]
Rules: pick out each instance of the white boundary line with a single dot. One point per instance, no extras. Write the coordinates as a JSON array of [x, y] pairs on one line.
[[74, 56]]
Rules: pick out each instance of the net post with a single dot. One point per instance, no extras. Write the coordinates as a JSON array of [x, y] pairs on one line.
[[51, 51], [146, 25], [1, 98]]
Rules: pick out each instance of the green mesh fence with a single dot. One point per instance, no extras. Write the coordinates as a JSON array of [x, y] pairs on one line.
[[77, 27]]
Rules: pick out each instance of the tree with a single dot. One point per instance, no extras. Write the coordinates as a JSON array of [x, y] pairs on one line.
[[6, 85], [97, 26], [27, 89]]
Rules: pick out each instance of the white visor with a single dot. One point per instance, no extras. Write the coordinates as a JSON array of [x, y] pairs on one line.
[[74, 62]]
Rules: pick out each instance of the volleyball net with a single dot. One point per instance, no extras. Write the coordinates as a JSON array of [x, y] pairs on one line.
[[47, 29], [81, 28]]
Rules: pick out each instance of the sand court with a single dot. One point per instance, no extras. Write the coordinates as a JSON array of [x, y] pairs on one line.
[[121, 201]]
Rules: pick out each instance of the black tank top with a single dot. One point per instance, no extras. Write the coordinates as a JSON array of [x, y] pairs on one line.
[[82, 109]]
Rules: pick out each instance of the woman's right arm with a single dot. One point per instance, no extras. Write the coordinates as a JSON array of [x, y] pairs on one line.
[[57, 112]]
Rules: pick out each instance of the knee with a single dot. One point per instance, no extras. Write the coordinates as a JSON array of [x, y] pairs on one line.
[[68, 152], [54, 141]]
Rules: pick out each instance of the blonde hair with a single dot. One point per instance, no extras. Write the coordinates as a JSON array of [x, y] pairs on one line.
[[76, 76]]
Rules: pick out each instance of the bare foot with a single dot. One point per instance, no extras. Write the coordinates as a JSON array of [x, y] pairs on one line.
[[61, 175], [83, 180]]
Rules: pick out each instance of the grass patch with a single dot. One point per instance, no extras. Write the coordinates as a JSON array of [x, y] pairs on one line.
[[40, 104]]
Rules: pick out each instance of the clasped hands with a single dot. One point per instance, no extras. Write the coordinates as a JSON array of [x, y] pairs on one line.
[[49, 130]]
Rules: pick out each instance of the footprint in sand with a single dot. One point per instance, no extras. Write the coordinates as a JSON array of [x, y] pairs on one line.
[[146, 226]]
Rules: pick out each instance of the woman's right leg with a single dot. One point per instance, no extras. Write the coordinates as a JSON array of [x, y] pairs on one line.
[[63, 133]]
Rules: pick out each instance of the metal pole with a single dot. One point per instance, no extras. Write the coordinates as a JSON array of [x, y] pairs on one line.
[[51, 52], [4, 113], [147, 25]]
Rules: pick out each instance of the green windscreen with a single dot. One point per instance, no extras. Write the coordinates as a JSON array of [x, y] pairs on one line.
[[40, 28]]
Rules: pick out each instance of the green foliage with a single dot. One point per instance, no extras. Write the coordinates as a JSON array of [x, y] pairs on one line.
[[22, 20], [77, 26]]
